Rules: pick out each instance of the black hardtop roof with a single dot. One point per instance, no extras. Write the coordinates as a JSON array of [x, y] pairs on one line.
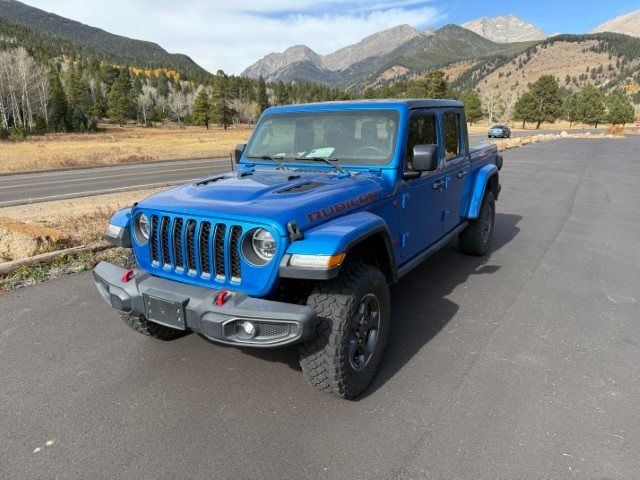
[[410, 102]]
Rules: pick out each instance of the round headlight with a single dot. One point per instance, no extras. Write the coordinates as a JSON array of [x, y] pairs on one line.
[[143, 229], [263, 243]]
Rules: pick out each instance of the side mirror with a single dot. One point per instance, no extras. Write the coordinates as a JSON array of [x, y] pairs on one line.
[[238, 151], [425, 158]]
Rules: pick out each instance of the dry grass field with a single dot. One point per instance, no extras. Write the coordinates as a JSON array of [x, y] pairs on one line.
[[113, 145]]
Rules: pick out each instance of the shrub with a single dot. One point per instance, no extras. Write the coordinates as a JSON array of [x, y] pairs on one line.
[[615, 130]]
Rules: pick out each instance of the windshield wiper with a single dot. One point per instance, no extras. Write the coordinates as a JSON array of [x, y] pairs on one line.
[[276, 160], [328, 161]]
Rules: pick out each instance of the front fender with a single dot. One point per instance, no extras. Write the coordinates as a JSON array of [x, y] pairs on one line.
[[338, 235], [331, 238], [478, 187], [119, 231]]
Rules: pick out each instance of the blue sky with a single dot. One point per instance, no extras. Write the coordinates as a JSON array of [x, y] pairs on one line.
[[233, 34]]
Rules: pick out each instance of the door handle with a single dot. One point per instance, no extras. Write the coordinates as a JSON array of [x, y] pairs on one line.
[[461, 173], [439, 185]]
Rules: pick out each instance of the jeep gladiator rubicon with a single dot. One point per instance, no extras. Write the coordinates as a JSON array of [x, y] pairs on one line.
[[329, 205]]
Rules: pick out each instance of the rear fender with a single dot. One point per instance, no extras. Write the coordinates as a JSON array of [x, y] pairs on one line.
[[480, 181]]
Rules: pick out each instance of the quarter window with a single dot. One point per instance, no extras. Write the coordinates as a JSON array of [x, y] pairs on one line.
[[451, 135]]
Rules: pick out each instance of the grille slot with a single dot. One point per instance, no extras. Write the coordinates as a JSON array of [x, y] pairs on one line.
[[205, 254], [164, 241], [191, 247], [177, 243], [234, 252], [218, 245], [153, 240]]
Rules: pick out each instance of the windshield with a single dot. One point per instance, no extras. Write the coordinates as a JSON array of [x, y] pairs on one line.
[[361, 137]]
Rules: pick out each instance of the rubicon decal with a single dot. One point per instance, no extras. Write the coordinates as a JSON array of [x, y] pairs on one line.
[[343, 206]]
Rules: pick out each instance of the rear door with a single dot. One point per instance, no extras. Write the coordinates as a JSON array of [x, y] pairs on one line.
[[422, 198], [456, 165]]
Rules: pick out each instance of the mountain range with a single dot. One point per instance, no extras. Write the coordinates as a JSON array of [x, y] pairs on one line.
[[503, 52]]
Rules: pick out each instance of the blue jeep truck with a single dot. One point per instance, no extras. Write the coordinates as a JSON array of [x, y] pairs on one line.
[[330, 204]]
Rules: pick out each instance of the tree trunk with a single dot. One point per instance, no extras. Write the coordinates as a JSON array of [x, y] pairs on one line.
[[538, 125]]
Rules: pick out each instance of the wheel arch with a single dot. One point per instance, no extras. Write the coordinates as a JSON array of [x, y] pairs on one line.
[[487, 177], [361, 235]]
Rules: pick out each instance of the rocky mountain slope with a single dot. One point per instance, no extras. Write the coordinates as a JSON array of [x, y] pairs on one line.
[[505, 29], [276, 66], [628, 24], [609, 60]]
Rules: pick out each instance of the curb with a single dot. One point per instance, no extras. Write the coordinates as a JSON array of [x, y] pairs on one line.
[[9, 267]]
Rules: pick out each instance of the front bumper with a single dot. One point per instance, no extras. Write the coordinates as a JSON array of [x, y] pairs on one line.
[[188, 307]]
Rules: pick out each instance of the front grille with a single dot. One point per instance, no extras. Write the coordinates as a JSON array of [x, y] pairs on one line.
[[193, 247]]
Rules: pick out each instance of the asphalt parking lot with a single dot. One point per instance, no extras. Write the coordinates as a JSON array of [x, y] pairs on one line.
[[521, 365]]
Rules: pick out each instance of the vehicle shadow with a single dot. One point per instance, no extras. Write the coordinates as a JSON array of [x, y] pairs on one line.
[[419, 307]]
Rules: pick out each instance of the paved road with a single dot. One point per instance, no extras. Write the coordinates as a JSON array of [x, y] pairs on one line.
[[39, 187], [523, 365]]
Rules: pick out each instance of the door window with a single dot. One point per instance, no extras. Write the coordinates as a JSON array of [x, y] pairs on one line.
[[422, 131]]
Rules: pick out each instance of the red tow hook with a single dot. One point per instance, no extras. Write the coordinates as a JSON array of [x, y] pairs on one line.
[[126, 276], [221, 297]]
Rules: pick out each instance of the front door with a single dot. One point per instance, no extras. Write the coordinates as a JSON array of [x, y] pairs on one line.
[[422, 198]]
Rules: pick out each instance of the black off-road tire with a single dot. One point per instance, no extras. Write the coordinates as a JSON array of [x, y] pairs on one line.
[[325, 359], [476, 238], [150, 329]]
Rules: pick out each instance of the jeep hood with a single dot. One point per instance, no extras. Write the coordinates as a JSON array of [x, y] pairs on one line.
[[271, 196]]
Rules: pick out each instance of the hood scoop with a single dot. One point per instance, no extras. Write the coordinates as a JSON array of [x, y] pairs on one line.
[[210, 180], [301, 187]]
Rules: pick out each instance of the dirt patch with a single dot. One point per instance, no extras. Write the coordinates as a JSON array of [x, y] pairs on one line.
[[21, 240]]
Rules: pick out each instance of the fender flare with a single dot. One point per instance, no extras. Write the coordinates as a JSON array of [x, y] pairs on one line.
[[121, 237], [337, 236], [480, 181]]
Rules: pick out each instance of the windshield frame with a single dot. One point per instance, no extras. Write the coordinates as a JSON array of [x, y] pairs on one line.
[[364, 163]]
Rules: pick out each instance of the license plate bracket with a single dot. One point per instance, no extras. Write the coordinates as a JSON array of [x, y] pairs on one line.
[[170, 313]]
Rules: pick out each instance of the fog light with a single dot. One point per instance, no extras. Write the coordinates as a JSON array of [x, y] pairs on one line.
[[248, 328]]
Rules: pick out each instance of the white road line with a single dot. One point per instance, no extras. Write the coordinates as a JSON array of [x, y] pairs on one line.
[[12, 203], [102, 177], [115, 167]]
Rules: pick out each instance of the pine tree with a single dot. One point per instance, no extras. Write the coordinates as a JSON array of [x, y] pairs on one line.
[[120, 104], [202, 109], [59, 107], [223, 111], [263, 98], [78, 90], [472, 104], [592, 105], [620, 111], [546, 92], [525, 108], [432, 85], [570, 108]]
